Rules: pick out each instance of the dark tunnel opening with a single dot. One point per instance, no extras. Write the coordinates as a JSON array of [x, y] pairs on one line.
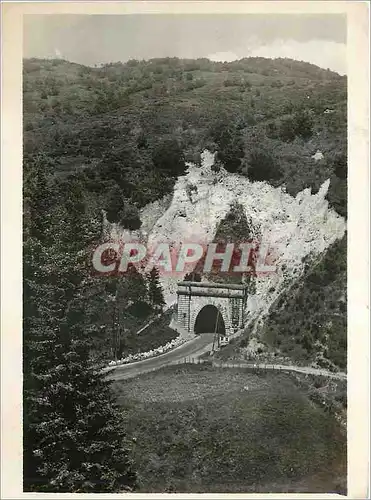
[[209, 320]]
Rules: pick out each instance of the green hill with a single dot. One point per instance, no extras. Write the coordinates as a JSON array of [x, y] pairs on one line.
[[114, 125]]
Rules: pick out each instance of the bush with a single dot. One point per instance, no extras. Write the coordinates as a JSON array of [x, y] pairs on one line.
[[262, 166], [341, 166], [228, 138], [277, 84], [287, 131], [168, 157], [337, 195], [139, 309], [121, 210], [303, 124], [129, 217], [298, 125]]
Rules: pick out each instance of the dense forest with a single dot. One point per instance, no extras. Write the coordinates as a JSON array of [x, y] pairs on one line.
[[112, 139]]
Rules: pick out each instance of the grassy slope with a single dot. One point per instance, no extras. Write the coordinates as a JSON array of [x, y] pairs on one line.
[[155, 335], [197, 430]]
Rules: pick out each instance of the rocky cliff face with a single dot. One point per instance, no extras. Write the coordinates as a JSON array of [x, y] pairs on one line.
[[295, 227]]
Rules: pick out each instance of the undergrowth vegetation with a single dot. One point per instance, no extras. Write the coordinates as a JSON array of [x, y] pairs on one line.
[[309, 321]]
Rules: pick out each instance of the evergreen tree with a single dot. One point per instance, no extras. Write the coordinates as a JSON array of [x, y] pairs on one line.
[[74, 439], [228, 138], [168, 157], [155, 294], [262, 166], [135, 285], [37, 195]]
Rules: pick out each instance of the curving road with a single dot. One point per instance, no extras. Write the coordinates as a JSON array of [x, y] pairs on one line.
[[195, 348], [191, 349]]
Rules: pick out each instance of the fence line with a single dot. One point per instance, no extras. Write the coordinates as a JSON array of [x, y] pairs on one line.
[[265, 367]]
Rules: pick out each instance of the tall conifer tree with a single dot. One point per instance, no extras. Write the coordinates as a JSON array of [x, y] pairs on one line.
[[74, 439]]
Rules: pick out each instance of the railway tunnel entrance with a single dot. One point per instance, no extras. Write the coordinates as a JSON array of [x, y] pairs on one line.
[[199, 303], [210, 320]]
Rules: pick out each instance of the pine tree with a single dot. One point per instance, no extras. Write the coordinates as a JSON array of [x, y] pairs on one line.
[[37, 195], [155, 294], [74, 439], [135, 285], [228, 138]]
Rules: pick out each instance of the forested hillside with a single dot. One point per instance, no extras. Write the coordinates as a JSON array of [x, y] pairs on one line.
[[116, 137], [119, 135], [125, 130], [110, 140]]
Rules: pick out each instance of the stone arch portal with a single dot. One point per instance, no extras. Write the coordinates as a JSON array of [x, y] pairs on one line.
[[228, 300]]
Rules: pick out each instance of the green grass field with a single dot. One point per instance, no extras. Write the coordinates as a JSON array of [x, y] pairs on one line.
[[199, 429]]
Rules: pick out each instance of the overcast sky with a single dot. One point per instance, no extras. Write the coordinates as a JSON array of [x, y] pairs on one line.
[[96, 39]]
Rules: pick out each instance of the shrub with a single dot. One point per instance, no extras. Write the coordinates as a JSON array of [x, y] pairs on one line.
[[287, 130], [129, 217], [337, 195], [262, 166], [277, 84], [303, 124], [169, 157], [340, 166], [190, 190], [298, 125], [228, 138]]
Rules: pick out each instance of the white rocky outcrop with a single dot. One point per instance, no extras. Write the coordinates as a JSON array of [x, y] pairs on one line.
[[293, 226]]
